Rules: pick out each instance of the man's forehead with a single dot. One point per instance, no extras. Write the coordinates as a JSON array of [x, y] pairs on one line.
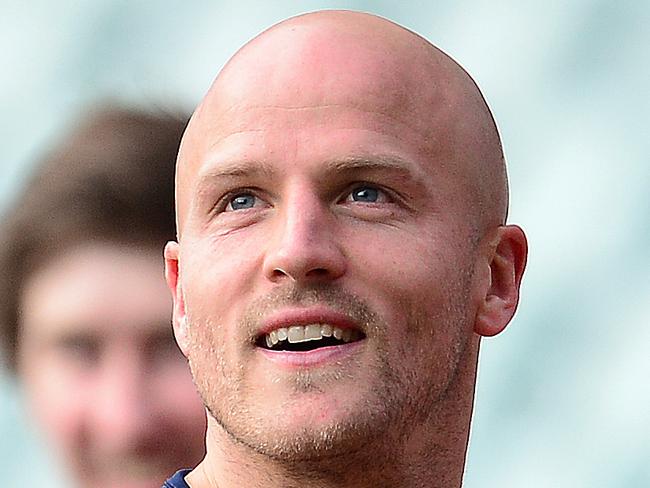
[[328, 59], [341, 59], [325, 62]]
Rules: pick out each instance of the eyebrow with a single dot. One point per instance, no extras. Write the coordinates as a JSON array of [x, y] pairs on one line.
[[371, 163], [238, 169], [233, 171], [252, 169], [378, 164]]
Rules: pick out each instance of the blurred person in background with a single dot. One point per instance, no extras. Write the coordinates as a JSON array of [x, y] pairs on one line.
[[85, 314]]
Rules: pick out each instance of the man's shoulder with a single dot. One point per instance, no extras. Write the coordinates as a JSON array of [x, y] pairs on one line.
[[178, 480]]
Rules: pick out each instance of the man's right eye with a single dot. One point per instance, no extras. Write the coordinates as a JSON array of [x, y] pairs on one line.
[[242, 201]]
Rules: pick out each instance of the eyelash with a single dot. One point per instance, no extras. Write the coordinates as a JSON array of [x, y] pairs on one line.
[[227, 199], [222, 204], [388, 195]]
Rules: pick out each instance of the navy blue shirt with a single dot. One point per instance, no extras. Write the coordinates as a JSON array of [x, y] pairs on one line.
[[178, 480]]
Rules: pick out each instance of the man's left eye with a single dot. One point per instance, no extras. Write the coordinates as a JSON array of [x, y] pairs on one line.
[[367, 194]]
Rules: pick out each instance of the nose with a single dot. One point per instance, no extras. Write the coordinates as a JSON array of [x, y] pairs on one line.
[[304, 246], [121, 418]]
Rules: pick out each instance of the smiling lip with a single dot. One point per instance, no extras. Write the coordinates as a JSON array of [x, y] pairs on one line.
[[288, 317], [317, 357], [306, 316]]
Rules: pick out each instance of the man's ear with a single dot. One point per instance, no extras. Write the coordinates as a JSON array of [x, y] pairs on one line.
[[179, 318], [506, 267]]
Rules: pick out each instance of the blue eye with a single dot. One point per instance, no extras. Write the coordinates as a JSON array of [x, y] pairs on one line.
[[242, 201], [365, 194]]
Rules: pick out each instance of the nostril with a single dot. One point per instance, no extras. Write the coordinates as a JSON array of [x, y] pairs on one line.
[[318, 272], [278, 272], [313, 262]]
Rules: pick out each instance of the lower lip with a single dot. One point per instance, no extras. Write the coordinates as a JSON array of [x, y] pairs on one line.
[[317, 357]]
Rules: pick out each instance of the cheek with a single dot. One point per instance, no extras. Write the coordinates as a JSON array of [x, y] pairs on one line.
[[179, 412], [219, 274], [178, 402], [58, 399], [416, 282], [398, 267]]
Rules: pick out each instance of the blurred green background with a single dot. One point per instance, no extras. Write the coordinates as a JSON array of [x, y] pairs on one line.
[[563, 395]]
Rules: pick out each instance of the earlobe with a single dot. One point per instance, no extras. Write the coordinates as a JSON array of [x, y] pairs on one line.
[[506, 268], [179, 318]]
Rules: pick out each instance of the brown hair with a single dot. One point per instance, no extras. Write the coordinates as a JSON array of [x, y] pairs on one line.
[[110, 179]]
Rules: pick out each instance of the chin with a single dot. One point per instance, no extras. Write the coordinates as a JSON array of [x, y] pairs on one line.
[[310, 429], [126, 476]]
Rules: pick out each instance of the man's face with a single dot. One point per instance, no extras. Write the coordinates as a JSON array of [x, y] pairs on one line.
[[321, 210], [102, 373]]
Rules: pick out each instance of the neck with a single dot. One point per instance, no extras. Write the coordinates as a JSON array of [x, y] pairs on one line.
[[431, 455]]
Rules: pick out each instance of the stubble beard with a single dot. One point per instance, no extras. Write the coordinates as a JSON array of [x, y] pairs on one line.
[[398, 400]]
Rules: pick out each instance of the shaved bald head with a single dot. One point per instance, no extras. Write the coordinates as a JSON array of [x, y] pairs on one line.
[[341, 199], [345, 57]]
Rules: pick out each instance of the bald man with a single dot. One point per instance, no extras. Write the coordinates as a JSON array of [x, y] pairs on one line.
[[342, 248]]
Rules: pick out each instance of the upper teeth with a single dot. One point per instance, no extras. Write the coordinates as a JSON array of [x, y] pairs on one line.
[[311, 332]]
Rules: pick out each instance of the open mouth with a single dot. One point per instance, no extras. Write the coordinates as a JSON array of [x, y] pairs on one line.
[[307, 337]]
